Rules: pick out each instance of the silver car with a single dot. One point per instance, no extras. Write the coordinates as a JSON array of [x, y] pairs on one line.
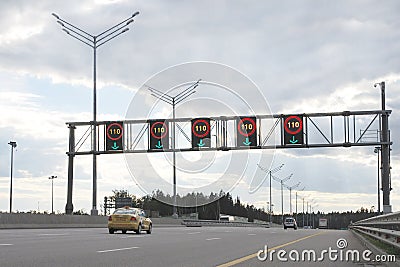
[[290, 222]]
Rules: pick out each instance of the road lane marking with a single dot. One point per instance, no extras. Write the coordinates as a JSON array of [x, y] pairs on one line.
[[117, 249], [248, 257], [214, 238], [194, 233], [6, 244], [252, 234]]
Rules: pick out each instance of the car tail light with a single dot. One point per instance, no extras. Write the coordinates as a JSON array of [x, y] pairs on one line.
[[133, 218], [109, 218]]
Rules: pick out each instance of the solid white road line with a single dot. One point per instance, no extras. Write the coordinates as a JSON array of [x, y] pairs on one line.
[[214, 238], [117, 249]]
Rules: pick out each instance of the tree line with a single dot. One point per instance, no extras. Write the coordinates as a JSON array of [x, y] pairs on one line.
[[225, 203]]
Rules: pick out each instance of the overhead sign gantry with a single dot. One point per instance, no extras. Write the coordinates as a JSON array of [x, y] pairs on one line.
[[307, 130]]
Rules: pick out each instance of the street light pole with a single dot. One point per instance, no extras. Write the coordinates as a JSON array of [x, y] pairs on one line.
[[13, 145], [290, 194], [173, 101], [94, 41], [270, 172], [281, 181], [52, 191]]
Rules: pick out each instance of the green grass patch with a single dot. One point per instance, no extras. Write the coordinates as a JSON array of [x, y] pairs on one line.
[[390, 250]]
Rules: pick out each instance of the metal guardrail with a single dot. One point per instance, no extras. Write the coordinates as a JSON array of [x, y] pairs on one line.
[[200, 223], [385, 228]]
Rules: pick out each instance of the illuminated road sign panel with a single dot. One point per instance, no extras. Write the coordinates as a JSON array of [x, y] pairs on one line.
[[158, 135], [201, 133], [246, 134], [114, 135], [293, 130]]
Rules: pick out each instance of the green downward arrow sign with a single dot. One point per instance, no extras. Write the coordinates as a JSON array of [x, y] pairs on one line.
[[293, 140], [114, 146], [201, 144], [247, 142]]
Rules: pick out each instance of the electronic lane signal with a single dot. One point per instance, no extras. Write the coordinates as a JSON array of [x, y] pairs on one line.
[[158, 135], [114, 136], [293, 130], [246, 134], [201, 133]]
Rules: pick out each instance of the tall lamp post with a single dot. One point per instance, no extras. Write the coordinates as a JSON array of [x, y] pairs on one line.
[[281, 181], [173, 101], [52, 195], [290, 194], [377, 150], [93, 41], [296, 199], [13, 145], [270, 172]]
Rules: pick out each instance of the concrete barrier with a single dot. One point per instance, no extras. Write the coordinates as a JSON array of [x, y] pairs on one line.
[[32, 221]]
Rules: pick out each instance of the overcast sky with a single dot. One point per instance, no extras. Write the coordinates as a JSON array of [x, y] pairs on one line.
[[301, 56]]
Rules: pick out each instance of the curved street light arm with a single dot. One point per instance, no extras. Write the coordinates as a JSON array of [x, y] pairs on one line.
[[111, 33], [162, 99], [191, 87], [77, 33], [186, 96], [154, 90], [73, 26], [77, 38], [124, 30], [115, 26]]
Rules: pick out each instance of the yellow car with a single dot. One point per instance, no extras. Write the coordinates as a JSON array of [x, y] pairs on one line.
[[129, 219]]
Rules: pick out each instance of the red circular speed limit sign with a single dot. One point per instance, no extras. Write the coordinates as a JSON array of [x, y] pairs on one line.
[[246, 127], [114, 131], [293, 124], [159, 130], [202, 126]]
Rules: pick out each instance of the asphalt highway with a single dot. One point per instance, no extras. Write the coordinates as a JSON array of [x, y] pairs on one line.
[[175, 246]]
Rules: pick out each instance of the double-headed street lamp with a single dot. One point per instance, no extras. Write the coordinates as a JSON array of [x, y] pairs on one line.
[[173, 101], [52, 196], [13, 145], [94, 41], [270, 172]]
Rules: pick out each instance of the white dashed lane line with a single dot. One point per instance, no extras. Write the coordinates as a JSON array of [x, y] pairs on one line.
[[6, 244], [193, 233], [117, 249], [214, 238]]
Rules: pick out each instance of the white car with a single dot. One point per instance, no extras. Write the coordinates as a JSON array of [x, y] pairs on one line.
[[290, 222]]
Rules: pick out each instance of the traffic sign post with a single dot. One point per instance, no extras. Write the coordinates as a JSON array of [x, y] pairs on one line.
[[114, 136], [293, 130], [201, 133], [158, 135], [246, 134]]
